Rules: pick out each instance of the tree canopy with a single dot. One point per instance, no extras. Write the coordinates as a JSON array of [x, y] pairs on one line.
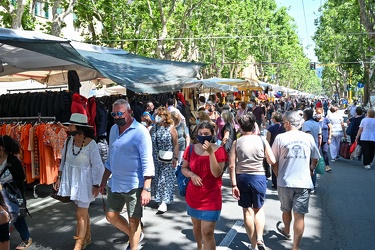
[[227, 35]]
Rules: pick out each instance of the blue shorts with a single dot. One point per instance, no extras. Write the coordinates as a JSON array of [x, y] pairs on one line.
[[294, 198], [207, 215], [252, 190]]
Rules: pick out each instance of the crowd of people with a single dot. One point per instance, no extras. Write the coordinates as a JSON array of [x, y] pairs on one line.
[[139, 166]]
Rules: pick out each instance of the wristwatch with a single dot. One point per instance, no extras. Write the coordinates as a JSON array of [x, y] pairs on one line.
[[176, 158], [147, 189]]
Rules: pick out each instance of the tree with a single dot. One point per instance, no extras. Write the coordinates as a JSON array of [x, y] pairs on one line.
[[17, 14], [338, 45], [368, 21]]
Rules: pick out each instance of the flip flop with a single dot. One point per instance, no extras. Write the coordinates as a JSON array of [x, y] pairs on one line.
[[281, 231]]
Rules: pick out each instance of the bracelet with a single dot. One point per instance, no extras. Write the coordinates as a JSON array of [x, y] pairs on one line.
[[95, 186], [58, 177], [176, 158], [233, 186]]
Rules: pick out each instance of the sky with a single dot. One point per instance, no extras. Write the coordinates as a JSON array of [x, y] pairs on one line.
[[304, 13]]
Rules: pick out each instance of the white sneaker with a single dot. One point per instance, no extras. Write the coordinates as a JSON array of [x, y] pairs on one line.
[[367, 167], [162, 208], [333, 160], [250, 248]]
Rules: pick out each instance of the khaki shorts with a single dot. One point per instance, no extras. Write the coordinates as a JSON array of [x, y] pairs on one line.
[[296, 199], [132, 199]]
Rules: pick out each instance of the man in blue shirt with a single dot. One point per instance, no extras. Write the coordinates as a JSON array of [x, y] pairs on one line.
[[131, 164]]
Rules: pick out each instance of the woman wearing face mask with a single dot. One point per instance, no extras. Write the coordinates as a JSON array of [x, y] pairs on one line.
[[326, 127], [80, 174], [164, 137], [205, 167]]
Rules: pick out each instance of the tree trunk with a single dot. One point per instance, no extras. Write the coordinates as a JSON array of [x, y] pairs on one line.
[[17, 14]]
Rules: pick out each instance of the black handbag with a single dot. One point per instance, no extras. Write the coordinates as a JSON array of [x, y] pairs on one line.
[[63, 199]]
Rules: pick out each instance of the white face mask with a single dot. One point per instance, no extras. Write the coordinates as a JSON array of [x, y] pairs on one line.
[[158, 119], [144, 124]]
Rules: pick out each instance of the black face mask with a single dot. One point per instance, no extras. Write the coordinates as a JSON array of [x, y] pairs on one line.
[[203, 138], [120, 121], [73, 133]]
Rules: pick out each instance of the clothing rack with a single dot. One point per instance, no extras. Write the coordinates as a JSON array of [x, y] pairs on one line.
[[57, 87], [33, 118]]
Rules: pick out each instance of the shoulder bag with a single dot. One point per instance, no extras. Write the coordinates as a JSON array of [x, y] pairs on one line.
[[320, 166], [15, 195], [63, 199], [182, 180], [163, 155]]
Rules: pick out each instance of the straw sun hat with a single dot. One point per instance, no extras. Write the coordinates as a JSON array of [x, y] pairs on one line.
[[78, 120]]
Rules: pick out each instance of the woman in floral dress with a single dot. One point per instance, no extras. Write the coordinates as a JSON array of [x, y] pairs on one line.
[[164, 137]]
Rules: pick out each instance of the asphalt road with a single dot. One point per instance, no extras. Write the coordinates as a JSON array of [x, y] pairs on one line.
[[341, 217]]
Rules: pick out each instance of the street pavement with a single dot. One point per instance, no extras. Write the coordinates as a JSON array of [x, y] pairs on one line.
[[341, 217]]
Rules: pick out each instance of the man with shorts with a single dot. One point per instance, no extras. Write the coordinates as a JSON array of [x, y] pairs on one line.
[[131, 164], [296, 158]]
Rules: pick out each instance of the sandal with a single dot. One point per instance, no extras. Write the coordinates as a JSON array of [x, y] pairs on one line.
[[281, 231], [24, 244], [260, 245]]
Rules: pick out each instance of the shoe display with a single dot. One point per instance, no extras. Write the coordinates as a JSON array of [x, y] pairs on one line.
[[367, 167], [328, 168], [24, 244]]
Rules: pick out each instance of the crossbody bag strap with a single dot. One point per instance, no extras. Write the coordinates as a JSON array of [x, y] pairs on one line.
[[190, 150], [5, 168], [66, 148]]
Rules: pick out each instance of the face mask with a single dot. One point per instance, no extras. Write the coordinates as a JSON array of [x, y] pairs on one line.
[[250, 105], [158, 119], [120, 121], [203, 138], [318, 116], [73, 133], [144, 124], [197, 121]]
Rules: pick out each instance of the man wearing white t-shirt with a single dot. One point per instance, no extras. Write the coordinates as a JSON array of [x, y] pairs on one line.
[[296, 158]]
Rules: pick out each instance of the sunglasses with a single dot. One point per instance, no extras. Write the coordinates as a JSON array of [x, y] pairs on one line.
[[118, 113]]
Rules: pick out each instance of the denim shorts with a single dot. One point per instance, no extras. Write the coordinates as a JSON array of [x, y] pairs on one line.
[[294, 198], [132, 199], [252, 190], [206, 215]]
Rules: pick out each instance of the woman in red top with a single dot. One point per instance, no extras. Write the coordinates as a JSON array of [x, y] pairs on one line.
[[203, 193]]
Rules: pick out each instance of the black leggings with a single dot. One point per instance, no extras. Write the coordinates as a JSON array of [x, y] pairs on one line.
[[368, 148], [4, 232]]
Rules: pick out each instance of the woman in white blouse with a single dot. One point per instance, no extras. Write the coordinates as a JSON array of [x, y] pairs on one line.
[[366, 135], [80, 174]]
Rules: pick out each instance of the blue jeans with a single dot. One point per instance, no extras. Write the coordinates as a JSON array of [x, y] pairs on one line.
[[22, 228], [324, 147]]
